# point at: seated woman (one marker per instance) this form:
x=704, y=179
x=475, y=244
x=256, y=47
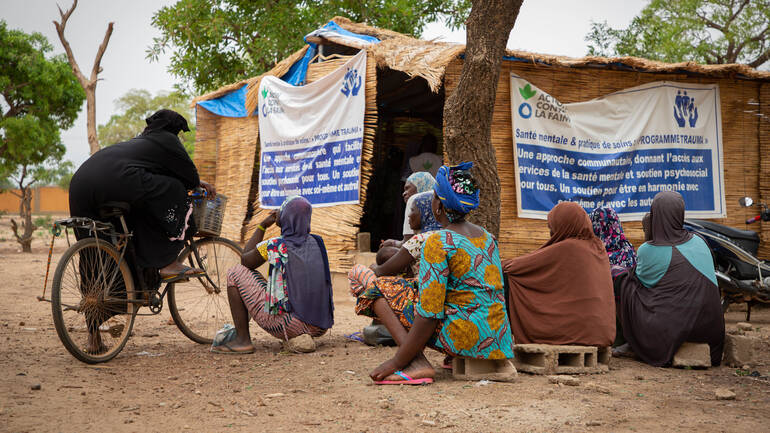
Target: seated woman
x=295, y=303
x=608, y=229
x=561, y=293
x=672, y=296
x=456, y=308
x=392, y=260
x=418, y=182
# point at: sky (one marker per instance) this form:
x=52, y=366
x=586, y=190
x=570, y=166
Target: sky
x=543, y=26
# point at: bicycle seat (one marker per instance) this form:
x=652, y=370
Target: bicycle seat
x=112, y=209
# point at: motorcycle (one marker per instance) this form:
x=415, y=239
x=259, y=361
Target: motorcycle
x=741, y=276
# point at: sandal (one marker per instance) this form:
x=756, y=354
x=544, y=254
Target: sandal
x=182, y=275
x=407, y=380
x=226, y=349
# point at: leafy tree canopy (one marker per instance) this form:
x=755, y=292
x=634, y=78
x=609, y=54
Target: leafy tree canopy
x=40, y=96
x=214, y=43
x=705, y=31
x=137, y=105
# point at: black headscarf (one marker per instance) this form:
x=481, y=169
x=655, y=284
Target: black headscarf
x=167, y=120
x=667, y=219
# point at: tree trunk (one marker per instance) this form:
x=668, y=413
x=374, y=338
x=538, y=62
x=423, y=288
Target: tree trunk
x=88, y=84
x=93, y=140
x=468, y=110
x=25, y=213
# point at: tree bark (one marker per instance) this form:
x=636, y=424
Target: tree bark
x=25, y=213
x=468, y=110
x=88, y=84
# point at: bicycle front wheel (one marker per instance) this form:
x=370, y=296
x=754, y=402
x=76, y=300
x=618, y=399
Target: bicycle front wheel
x=91, y=301
x=199, y=306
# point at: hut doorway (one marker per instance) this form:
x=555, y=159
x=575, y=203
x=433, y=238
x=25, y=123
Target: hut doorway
x=409, y=116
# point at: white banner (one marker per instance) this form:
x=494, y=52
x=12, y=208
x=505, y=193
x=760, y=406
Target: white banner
x=619, y=150
x=311, y=137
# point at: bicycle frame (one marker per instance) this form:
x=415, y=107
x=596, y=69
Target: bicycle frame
x=121, y=241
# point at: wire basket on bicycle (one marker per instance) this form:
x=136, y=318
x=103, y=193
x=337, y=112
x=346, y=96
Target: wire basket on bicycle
x=208, y=213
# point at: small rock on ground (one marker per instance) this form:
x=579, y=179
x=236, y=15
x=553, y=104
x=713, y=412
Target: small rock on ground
x=36, y=387
x=744, y=326
x=564, y=380
x=724, y=394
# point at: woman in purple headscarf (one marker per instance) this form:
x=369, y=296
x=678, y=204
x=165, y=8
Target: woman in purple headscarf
x=294, y=304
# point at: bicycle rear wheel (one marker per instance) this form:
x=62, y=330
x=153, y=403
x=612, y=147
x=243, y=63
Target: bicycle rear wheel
x=91, y=299
x=199, y=306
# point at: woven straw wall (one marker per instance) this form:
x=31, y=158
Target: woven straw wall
x=762, y=112
x=337, y=224
x=205, y=157
x=740, y=131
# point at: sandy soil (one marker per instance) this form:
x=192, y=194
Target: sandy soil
x=181, y=386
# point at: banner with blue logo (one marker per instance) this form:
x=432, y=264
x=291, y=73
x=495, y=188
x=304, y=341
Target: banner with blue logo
x=619, y=150
x=311, y=137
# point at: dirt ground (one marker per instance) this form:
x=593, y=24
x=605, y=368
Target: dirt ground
x=163, y=382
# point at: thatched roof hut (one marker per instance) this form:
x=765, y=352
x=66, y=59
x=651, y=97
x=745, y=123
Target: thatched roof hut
x=407, y=82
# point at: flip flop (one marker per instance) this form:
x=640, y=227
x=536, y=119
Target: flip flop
x=182, y=275
x=407, y=380
x=230, y=350
x=356, y=336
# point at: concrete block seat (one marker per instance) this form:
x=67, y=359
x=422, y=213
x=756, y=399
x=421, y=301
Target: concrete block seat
x=550, y=359
x=499, y=370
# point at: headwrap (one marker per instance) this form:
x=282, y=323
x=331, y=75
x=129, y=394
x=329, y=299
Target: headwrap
x=167, y=120
x=422, y=180
x=456, y=188
x=422, y=203
x=647, y=226
x=667, y=219
x=298, y=261
x=607, y=227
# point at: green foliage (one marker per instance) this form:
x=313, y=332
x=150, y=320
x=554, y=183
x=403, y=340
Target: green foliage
x=43, y=221
x=138, y=104
x=213, y=43
x=705, y=31
x=40, y=96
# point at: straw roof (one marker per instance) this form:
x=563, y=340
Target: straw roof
x=429, y=59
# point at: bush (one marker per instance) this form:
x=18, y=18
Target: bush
x=42, y=221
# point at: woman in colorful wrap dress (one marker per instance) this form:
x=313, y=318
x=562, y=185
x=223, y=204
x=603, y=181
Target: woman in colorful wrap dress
x=671, y=296
x=608, y=229
x=457, y=304
x=294, y=304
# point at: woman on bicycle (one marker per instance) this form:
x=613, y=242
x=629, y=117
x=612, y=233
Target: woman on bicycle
x=294, y=304
x=151, y=173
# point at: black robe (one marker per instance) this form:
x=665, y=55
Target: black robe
x=152, y=173
x=680, y=301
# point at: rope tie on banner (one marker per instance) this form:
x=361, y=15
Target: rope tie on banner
x=55, y=232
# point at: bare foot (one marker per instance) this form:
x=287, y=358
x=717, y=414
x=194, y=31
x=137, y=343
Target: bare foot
x=419, y=368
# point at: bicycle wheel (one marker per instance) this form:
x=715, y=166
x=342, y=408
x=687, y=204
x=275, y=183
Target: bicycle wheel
x=199, y=306
x=90, y=301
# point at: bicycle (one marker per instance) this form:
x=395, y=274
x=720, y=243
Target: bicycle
x=94, y=293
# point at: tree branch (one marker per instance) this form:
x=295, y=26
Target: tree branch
x=710, y=23
x=738, y=12
x=102, y=48
x=67, y=48
x=761, y=59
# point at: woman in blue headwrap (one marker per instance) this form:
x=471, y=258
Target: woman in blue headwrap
x=417, y=183
x=457, y=304
x=294, y=303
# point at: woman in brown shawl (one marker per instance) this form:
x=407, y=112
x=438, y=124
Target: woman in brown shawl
x=671, y=296
x=562, y=292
